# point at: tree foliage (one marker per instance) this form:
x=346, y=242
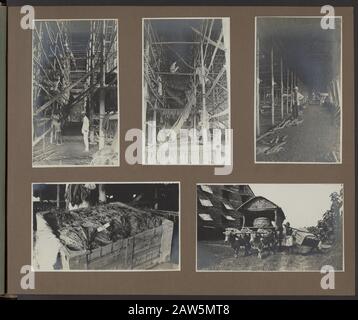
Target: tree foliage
x=328, y=229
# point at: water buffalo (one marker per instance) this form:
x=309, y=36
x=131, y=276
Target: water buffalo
x=238, y=241
x=263, y=240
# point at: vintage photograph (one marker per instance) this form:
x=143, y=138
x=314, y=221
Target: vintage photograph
x=105, y=226
x=186, y=91
x=269, y=227
x=298, y=96
x=75, y=96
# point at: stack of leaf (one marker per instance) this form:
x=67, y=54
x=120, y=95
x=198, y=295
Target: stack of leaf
x=272, y=141
x=93, y=227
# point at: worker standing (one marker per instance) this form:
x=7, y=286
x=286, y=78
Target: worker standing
x=296, y=102
x=85, y=130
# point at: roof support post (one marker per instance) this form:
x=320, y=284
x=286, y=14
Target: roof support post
x=102, y=94
x=272, y=89
x=203, y=89
x=287, y=88
x=291, y=100
x=281, y=89
x=258, y=87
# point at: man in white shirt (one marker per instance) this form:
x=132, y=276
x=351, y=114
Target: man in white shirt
x=85, y=131
x=297, y=97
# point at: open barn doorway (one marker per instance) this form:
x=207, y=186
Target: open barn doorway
x=298, y=111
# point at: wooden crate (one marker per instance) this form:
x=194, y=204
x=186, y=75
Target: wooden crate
x=141, y=251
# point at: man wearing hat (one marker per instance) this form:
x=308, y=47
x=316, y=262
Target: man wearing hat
x=85, y=130
x=296, y=102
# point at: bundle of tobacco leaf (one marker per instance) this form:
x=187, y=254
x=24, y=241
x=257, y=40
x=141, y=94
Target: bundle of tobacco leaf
x=93, y=227
x=271, y=144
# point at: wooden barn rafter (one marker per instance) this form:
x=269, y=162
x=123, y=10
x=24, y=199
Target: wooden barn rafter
x=290, y=54
x=75, y=69
x=196, y=95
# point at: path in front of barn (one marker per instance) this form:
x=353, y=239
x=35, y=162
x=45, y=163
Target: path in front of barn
x=311, y=141
x=216, y=255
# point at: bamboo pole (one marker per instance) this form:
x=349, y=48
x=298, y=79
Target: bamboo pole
x=174, y=42
x=291, y=100
x=155, y=116
x=339, y=94
x=281, y=89
x=102, y=96
x=58, y=196
x=209, y=36
x=145, y=88
x=203, y=86
x=258, y=130
x=287, y=87
x=272, y=90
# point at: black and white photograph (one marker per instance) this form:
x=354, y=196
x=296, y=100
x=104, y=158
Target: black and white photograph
x=105, y=226
x=269, y=227
x=75, y=96
x=186, y=91
x=298, y=94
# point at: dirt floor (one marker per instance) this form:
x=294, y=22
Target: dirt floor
x=216, y=255
x=311, y=141
x=71, y=152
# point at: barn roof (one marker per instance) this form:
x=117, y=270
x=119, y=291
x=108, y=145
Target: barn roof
x=259, y=204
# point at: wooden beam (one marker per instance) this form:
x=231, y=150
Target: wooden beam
x=102, y=94
x=209, y=36
x=175, y=42
x=59, y=95
x=338, y=90
x=257, y=79
x=291, y=100
x=217, y=44
x=203, y=89
x=281, y=89
x=287, y=87
x=175, y=73
x=216, y=80
x=272, y=90
x=215, y=50
x=222, y=113
x=37, y=140
x=221, y=86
